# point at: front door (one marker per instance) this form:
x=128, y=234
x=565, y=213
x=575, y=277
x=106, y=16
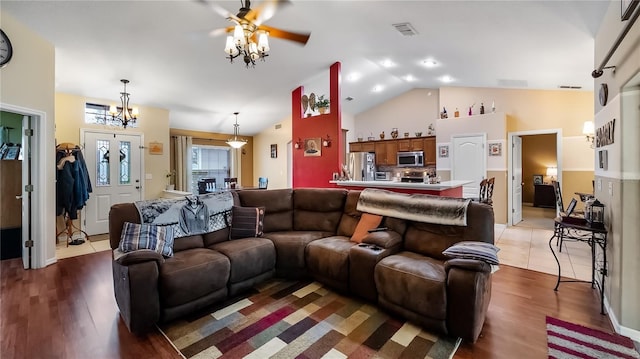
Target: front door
x=114, y=162
x=469, y=162
x=517, y=180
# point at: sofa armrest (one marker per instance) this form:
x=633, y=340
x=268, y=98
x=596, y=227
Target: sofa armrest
x=139, y=256
x=383, y=239
x=468, y=296
x=468, y=264
x=137, y=295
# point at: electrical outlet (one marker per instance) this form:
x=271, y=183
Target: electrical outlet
x=599, y=184
x=148, y=176
x=610, y=188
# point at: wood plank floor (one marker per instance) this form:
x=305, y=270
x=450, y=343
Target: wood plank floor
x=68, y=310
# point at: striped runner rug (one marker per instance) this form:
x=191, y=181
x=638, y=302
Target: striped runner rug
x=285, y=319
x=568, y=340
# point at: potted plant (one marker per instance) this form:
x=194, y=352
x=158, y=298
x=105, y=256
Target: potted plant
x=322, y=104
x=170, y=176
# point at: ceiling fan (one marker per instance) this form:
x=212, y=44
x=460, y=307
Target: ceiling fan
x=248, y=36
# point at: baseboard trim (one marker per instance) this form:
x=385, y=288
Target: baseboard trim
x=620, y=329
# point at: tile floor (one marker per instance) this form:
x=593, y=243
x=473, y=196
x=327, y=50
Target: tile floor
x=525, y=246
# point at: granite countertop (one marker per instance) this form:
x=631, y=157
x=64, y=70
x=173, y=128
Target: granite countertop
x=392, y=184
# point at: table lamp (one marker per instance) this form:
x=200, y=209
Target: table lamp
x=552, y=172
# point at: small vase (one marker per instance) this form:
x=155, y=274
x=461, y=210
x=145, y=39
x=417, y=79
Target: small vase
x=382, y=135
x=322, y=110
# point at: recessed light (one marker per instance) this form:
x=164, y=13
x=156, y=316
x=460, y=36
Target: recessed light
x=429, y=63
x=377, y=88
x=387, y=63
x=352, y=77
x=446, y=79
x=409, y=78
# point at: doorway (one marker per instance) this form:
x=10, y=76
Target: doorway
x=534, y=157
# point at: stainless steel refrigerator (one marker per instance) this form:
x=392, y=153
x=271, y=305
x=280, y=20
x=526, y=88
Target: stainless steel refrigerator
x=362, y=166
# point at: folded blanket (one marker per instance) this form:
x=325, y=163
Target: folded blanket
x=414, y=207
x=189, y=215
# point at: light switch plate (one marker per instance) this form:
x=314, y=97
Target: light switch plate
x=610, y=189
x=148, y=176
x=599, y=184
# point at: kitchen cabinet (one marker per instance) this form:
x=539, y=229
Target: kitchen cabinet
x=386, y=152
x=411, y=144
x=430, y=151
x=362, y=146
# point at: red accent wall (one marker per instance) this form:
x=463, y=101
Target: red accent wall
x=317, y=171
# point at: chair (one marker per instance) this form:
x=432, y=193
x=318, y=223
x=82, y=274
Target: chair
x=206, y=185
x=230, y=182
x=263, y=182
x=482, y=193
x=558, y=193
x=488, y=191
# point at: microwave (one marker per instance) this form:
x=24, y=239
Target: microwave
x=411, y=159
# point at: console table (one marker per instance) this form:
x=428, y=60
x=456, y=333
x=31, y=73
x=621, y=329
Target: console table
x=544, y=196
x=579, y=231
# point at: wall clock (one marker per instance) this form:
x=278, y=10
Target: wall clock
x=604, y=94
x=6, y=50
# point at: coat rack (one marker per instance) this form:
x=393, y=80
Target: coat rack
x=70, y=228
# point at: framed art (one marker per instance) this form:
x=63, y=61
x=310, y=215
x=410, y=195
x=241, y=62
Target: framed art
x=495, y=149
x=626, y=8
x=443, y=151
x=537, y=179
x=274, y=151
x=11, y=153
x=602, y=159
x=312, y=147
x=156, y=148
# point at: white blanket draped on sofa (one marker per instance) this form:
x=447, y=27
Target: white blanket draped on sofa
x=414, y=207
x=189, y=215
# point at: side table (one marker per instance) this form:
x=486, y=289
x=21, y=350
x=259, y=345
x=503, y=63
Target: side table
x=579, y=231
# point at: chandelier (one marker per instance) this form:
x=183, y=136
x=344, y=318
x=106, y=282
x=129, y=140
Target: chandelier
x=242, y=43
x=124, y=114
x=236, y=142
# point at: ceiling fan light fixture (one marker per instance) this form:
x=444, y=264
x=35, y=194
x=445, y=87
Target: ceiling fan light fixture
x=253, y=51
x=238, y=35
x=263, y=41
x=230, y=48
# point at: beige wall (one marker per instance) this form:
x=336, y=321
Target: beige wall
x=153, y=124
x=618, y=187
x=27, y=83
x=538, y=153
x=275, y=169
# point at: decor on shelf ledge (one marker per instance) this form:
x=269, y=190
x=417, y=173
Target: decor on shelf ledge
x=394, y=132
x=236, y=142
x=124, y=113
x=322, y=104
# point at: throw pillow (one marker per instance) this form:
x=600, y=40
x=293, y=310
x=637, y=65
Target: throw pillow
x=486, y=252
x=367, y=221
x=246, y=222
x=147, y=236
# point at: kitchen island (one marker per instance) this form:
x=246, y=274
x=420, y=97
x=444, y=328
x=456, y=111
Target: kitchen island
x=444, y=189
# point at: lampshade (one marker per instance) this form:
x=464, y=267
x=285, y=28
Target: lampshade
x=588, y=128
x=552, y=171
x=263, y=42
x=236, y=142
x=238, y=35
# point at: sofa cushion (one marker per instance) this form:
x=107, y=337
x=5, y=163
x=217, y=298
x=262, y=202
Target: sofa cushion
x=414, y=282
x=485, y=252
x=246, y=222
x=278, y=207
x=318, y=209
x=290, y=246
x=189, y=242
x=249, y=257
x=147, y=236
x=191, y=274
x=367, y=221
x=329, y=258
x=350, y=215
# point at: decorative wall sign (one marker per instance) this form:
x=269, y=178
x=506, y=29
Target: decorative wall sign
x=156, y=148
x=604, y=134
x=495, y=149
x=443, y=151
x=274, y=151
x=312, y=147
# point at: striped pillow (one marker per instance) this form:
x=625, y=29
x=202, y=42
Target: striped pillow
x=147, y=236
x=483, y=251
x=246, y=222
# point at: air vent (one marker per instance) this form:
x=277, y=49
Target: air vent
x=278, y=126
x=570, y=87
x=406, y=29
x=349, y=98
x=512, y=83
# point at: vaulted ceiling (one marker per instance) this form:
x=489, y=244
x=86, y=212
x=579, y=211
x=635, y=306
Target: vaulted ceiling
x=164, y=48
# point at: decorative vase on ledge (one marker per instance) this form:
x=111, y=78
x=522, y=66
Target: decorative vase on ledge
x=322, y=110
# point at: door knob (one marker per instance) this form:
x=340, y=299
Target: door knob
x=137, y=187
x=19, y=196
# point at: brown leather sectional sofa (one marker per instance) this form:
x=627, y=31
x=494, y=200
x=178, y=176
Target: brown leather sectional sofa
x=307, y=233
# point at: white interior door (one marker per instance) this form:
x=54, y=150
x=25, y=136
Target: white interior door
x=469, y=162
x=516, y=159
x=114, y=162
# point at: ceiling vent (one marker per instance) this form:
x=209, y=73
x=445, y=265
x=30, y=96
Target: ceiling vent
x=349, y=98
x=406, y=29
x=570, y=87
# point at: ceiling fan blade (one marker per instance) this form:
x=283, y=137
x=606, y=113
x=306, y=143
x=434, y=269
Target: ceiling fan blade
x=221, y=31
x=220, y=10
x=265, y=11
x=287, y=35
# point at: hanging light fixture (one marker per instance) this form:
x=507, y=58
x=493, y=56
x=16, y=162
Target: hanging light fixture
x=242, y=44
x=236, y=142
x=124, y=114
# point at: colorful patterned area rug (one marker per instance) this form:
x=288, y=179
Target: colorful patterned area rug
x=302, y=320
x=568, y=340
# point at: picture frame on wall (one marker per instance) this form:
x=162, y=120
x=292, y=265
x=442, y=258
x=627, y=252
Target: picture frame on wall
x=312, y=147
x=156, y=148
x=495, y=149
x=626, y=8
x=11, y=153
x=537, y=179
x=602, y=159
x=274, y=151
x=443, y=151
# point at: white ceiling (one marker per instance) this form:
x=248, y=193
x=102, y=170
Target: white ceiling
x=164, y=49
